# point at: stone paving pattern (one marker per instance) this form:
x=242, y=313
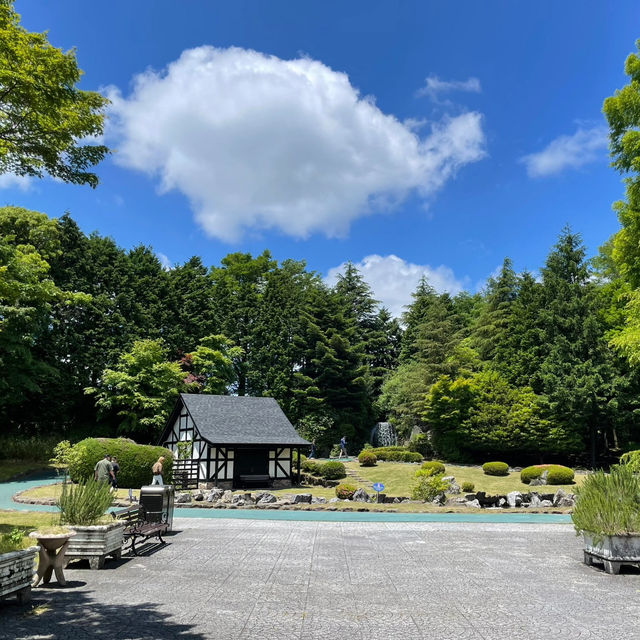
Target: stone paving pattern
x=266, y=580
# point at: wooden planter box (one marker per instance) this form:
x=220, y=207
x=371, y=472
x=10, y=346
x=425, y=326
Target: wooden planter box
x=611, y=551
x=94, y=543
x=16, y=573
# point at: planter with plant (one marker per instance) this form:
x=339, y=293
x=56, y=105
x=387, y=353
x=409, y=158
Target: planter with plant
x=607, y=514
x=17, y=565
x=83, y=509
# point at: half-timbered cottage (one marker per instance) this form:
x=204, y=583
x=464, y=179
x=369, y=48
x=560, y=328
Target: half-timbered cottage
x=235, y=441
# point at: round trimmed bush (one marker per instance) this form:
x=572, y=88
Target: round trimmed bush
x=367, y=459
x=311, y=466
x=557, y=473
x=433, y=467
x=345, y=491
x=332, y=470
x=135, y=460
x=496, y=468
x=468, y=487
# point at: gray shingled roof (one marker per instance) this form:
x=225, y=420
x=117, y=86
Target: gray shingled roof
x=241, y=420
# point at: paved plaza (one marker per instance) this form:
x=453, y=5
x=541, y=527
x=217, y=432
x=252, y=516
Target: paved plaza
x=262, y=579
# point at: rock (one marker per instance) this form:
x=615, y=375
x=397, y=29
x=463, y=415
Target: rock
x=396, y=501
x=301, y=498
x=514, y=499
x=454, y=488
x=239, y=503
x=440, y=499
x=215, y=494
x=334, y=500
x=227, y=496
x=267, y=498
x=559, y=495
x=318, y=500
x=470, y=496
x=455, y=502
x=568, y=501
x=502, y=502
x=360, y=495
x=405, y=500
x=197, y=495
x=248, y=499
x=545, y=503
x=535, y=500
x=237, y=498
x=448, y=479
x=537, y=482
x=473, y=503
x=182, y=498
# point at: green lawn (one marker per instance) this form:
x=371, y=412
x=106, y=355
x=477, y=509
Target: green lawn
x=11, y=468
x=54, y=491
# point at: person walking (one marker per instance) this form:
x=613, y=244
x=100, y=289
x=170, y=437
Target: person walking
x=157, y=472
x=116, y=468
x=313, y=449
x=343, y=447
x=103, y=471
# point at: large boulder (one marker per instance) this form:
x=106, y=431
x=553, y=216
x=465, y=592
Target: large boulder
x=182, y=498
x=301, y=498
x=473, y=503
x=318, y=500
x=197, y=495
x=514, y=499
x=360, y=495
x=564, y=499
x=215, y=494
x=227, y=496
x=267, y=498
x=440, y=499
x=237, y=498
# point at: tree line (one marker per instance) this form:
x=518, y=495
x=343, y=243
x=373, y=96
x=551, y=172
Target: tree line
x=99, y=340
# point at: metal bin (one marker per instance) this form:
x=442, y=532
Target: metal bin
x=157, y=501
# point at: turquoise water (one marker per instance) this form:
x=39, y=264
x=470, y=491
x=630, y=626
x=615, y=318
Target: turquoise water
x=8, y=489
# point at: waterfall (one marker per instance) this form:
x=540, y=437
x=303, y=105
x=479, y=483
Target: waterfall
x=384, y=435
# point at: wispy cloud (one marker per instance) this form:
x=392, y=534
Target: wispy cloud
x=434, y=87
x=164, y=261
x=567, y=152
x=12, y=181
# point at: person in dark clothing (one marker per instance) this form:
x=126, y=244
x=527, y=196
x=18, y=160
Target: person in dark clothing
x=313, y=449
x=116, y=468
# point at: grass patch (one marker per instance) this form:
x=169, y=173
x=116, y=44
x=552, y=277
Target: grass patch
x=27, y=521
x=53, y=491
x=11, y=468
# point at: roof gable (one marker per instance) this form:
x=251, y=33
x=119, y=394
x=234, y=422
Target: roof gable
x=240, y=420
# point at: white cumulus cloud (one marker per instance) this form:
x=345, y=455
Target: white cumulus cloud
x=257, y=142
x=568, y=152
x=393, y=279
x=11, y=180
x=434, y=86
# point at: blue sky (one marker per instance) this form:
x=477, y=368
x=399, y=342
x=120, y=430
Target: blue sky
x=311, y=129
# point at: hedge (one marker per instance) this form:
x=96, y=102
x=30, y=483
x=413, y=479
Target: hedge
x=332, y=470
x=367, y=458
x=135, y=460
x=345, y=491
x=557, y=473
x=396, y=454
x=496, y=468
x=433, y=467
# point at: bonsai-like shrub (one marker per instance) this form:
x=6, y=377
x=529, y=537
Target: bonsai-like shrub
x=468, y=487
x=135, y=460
x=632, y=460
x=608, y=504
x=332, y=470
x=345, y=491
x=557, y=473
x=496, y=468
x=367, y=458
x=421, y=443
x=85, y=503
x=428, y=487
x=433, y=468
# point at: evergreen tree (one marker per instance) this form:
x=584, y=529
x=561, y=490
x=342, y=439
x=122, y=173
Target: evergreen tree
x=423, y=298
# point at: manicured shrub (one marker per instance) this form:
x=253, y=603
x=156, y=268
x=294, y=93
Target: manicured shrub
x=311, y=466
x=397, y=454
x=557, y=473
x=433, y=467
x=421, y=443
x=496, y=468
x=608, y=503
x=468, y=487
x=367, y=459
x=345, y=491
x=560, y=475
x=84, y=503
x=332, y=470
x=135, y=460
x=428, y=487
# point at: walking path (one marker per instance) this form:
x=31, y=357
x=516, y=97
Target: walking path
x=263, y=580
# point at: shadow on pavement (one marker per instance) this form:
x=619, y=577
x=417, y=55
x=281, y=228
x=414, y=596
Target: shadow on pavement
x=62, y=614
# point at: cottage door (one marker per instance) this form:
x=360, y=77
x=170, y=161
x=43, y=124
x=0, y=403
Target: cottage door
x=251, y=462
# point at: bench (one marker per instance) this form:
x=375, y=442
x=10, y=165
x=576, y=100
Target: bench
x=254, y=481
x=137, y=526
